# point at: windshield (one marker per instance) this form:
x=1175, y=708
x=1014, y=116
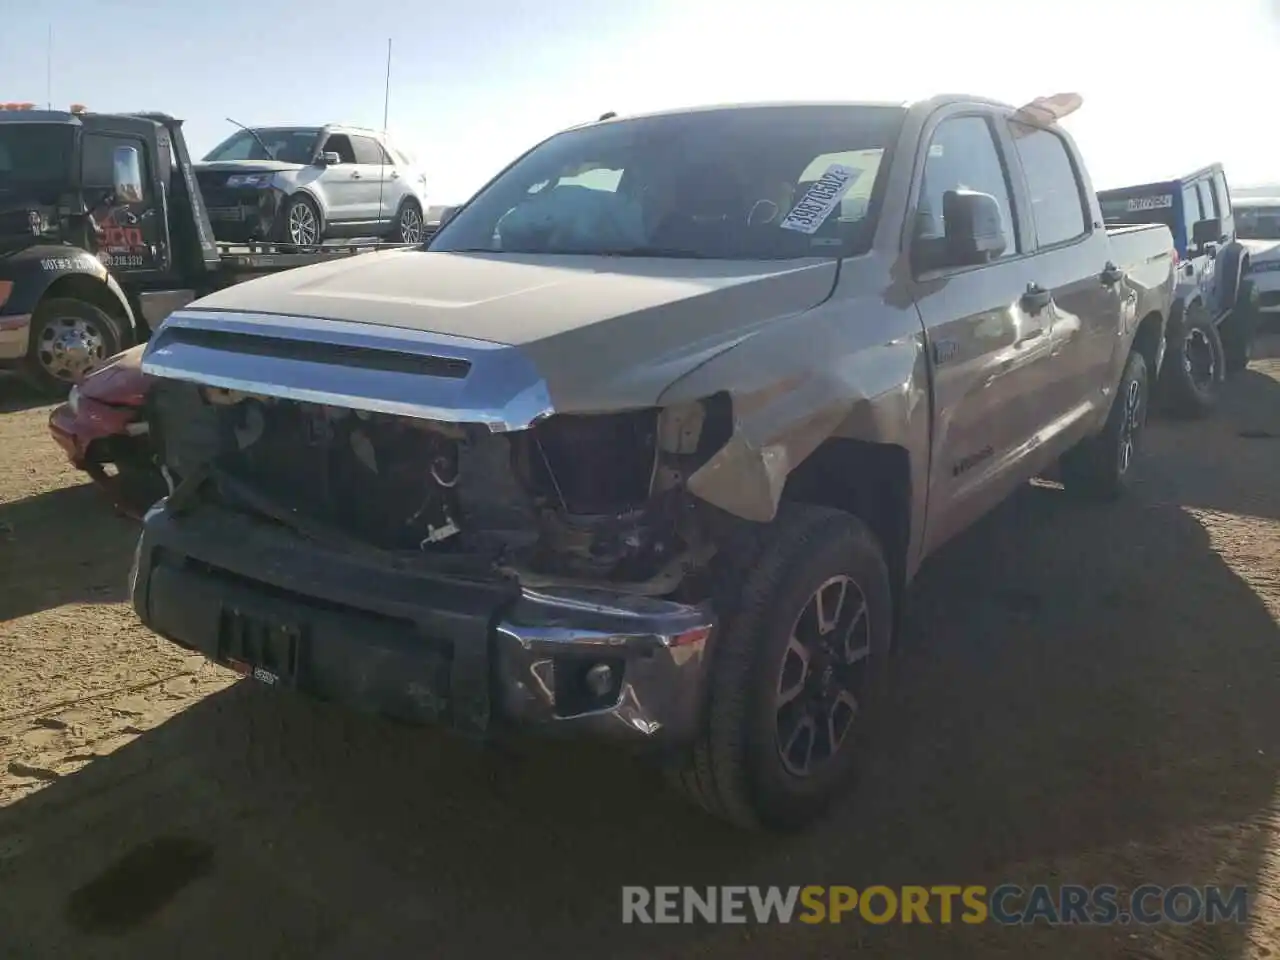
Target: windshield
x=1131, y=208
x=1258, y=223
x=287, y=144
x=769, y=182
x=35, y=153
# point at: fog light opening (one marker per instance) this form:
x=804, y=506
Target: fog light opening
x=586, y=685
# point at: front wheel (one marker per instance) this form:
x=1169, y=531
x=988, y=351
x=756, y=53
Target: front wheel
x=1101, y=467
x=1238, y=330
x=69, y=339
x=795, y=664
x=300, y=224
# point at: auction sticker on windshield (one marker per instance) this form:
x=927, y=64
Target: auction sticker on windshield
x=820, y=199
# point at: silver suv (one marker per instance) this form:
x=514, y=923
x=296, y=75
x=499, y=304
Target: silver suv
x=304, y=185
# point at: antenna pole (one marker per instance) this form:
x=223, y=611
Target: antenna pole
x=386, y=102
x=48, y=70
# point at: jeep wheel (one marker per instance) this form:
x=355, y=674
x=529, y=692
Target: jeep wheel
x=1194, y=366
x=795, y=665
x=1101, y=467
x=1238, y=330
x=69, y=339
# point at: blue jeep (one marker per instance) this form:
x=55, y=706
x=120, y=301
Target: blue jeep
x=1211, y=328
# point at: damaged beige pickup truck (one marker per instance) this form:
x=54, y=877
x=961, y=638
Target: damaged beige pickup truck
x=649, y=441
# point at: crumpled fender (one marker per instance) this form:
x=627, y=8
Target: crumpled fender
x=793, y=387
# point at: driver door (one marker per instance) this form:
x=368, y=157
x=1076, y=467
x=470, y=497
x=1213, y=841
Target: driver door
x=128, y=238
x=342, y=184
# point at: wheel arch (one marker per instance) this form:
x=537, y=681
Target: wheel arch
x=871, y=481
x=106, y=296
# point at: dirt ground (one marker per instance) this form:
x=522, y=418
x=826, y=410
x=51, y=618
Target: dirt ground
x=1083, y=695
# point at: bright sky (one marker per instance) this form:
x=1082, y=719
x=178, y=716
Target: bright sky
x=1168, y=85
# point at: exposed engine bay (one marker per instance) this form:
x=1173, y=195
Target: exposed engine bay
x=575, y=499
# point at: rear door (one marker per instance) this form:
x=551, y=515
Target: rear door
x=1073, y=263
x=988, y=339
x=375, y=178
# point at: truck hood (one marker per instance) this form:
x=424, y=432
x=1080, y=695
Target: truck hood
x=24, y=219
x=1262, y=249
x=525, y=335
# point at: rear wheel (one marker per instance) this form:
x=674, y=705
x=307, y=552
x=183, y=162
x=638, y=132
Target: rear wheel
x=803, y=636
x=69, y=339
x=408, y=225
x=1101, y=467
x=1194, y=366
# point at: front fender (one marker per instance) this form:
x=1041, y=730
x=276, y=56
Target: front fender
x=36, y=269
x=795, y=385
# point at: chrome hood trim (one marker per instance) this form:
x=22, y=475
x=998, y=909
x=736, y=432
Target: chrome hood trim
x=410, y=373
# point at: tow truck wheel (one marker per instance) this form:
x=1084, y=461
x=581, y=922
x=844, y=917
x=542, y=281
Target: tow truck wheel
x=1195, y=364
x=69, y=339
x=795, y=665
x=300, y=224
x=408, y=228
x=1101, y=467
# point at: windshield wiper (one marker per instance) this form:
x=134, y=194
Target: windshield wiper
x=254, y=133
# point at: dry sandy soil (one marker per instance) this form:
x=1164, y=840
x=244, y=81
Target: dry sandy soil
x=1083, y=695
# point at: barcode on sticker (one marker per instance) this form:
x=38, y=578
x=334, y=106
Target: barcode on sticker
x=820, y=199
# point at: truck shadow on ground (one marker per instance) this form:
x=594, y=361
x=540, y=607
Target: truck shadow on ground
x=1082, y=694
x=16, y=394
x=64, y=546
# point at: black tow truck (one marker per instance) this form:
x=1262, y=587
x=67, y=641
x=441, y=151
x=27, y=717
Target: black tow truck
x=103, y=233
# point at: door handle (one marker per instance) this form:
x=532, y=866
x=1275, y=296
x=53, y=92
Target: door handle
x=395, y=175
x=355, y=174
x=1111, y=275
x=1036, y=298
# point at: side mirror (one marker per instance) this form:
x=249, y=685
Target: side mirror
x=330, y=158
x=1207, y=231
x=973, y=233
x=126, y=175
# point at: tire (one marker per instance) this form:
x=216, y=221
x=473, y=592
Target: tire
x=735, y=769
x=299, y=211
x=1194, y=364
x=402, y=231
x=1101, y=467
x=69, y=338
x=1238, y=330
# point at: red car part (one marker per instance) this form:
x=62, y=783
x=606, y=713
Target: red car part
x=101, y=429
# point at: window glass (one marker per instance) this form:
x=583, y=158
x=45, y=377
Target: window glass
x=368, y=150
x=98, y=160
x=1057, y=199
x=962, y=156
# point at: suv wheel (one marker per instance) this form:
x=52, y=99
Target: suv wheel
x=795, y=665
x=300, y=224
x=408, y=228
